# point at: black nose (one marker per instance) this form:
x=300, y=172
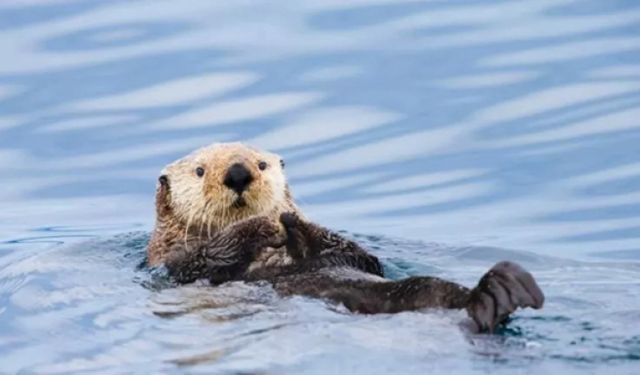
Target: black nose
x=238, y=178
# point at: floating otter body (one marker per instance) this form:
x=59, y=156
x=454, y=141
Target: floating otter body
x=225, y=213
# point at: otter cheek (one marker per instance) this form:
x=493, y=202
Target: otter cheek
x=277, y=191
x=227, y=198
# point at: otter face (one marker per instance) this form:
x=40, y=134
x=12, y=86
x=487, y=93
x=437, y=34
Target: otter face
x=223, y=183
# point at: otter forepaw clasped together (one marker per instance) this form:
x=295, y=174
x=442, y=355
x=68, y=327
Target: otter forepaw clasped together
x=225, y=213
x=225, y=256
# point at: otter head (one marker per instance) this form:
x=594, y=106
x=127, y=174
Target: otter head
x=223, y=183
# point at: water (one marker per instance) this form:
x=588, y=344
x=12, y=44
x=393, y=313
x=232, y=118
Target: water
x=443, y=135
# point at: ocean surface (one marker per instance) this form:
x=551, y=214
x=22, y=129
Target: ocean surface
x=442, y=135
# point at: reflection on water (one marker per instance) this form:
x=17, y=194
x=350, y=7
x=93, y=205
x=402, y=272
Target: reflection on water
x=482, y=126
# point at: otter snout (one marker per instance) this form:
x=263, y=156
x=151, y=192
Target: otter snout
x=238, y=178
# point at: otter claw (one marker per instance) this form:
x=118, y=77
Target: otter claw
x=502, y=290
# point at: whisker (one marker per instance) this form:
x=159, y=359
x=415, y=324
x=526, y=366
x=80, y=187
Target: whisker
x=209, y=219
x=186, y=232
x=201, y=224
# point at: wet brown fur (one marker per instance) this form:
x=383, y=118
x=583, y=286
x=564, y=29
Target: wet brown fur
x=201, y=234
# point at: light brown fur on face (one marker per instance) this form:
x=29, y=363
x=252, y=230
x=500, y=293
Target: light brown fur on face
x=192, y=206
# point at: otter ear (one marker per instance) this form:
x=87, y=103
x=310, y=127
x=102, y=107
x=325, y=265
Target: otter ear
x=163, y=205
x=164, y=180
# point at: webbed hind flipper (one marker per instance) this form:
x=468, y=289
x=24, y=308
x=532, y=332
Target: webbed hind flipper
x=504, y=288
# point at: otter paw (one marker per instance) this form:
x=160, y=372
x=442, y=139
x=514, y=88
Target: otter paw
x=262, y=232
x=502, y=290
x=289, y=219
x=296, y=242
x=175, y=258
x=184, y=265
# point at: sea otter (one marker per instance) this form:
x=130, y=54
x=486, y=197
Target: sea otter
x=224, y=213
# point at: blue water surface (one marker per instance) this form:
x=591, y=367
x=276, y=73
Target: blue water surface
x=442, y=135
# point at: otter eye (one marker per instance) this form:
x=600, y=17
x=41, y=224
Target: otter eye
x=262, y=165
x=282, y=163
x=200, y=171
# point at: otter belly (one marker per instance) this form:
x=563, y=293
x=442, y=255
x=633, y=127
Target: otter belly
x=271, y=257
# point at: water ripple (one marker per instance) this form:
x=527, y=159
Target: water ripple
x=446, y=132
